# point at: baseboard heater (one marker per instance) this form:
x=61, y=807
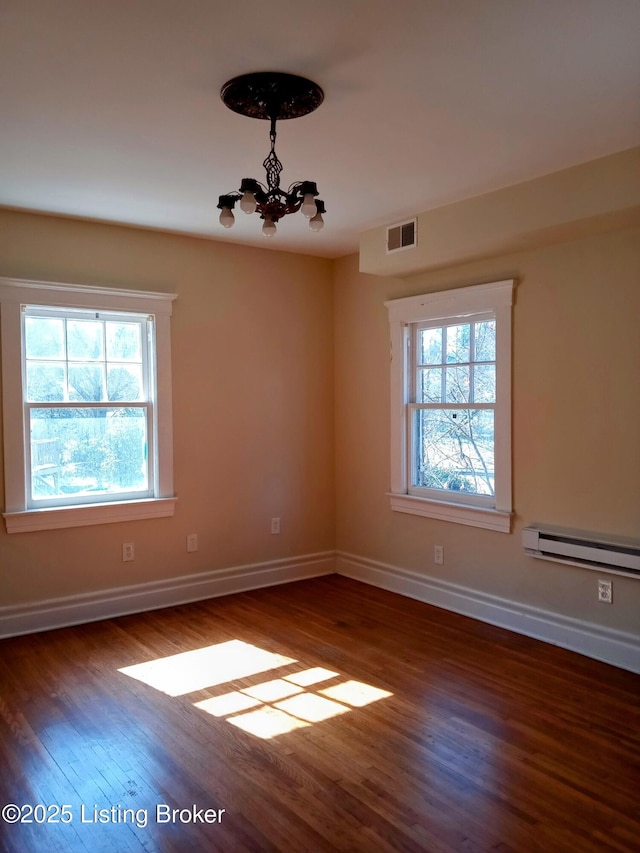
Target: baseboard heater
x=590, y=550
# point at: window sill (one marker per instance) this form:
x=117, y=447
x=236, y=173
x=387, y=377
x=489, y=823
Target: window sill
x=53, y=518
x=474, y=516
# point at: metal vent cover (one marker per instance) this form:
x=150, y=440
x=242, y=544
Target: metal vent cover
x=402, y=236
x=591, y=550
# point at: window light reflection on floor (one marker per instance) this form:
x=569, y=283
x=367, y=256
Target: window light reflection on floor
x=270, y=691
x=267, y=722
x=294, y=700
x=190, y=671
x=354, y=693
x=269, y=713
x=228, y=703
x=311, y=676
x=312, y=708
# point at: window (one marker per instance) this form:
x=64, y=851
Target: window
x=451, y=405
x=86, y=405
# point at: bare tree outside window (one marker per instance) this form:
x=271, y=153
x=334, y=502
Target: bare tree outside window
x=452, y=424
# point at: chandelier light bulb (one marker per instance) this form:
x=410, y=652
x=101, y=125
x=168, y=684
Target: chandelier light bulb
x=308, y=206
x=248, y=202
x=269, y=228
x=226, y=217
x=316, y=223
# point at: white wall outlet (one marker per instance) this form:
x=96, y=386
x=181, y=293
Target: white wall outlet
x=438, y=555
x=128, y=552
x=275, y=525
x=605, y=592
x=192, y=542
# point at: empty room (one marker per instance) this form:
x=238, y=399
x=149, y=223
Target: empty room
x=320, y=459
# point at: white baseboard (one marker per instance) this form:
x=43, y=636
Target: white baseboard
x=604, y=644
x=109, y=603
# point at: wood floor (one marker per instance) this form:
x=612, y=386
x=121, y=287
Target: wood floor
x=322, y=715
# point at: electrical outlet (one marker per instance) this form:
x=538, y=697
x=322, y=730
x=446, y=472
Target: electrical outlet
x=192, y=542
x=275, y=525
x=605, y=592
x=128, y=552
x=438, y=555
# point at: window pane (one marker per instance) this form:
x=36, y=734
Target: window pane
x=124, y=382
x=430, y=346
x=485, y=341
x=457, y=384
x=45, y=381
x=458, y=343
x=84, y=340
x=484, y=383
x=88, y=452
x=454, y=450
x=86, y=382
x=123, y=341
x=429, y=385
x=44, y=337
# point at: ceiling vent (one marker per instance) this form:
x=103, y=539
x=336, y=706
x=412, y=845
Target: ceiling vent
x=402, y=236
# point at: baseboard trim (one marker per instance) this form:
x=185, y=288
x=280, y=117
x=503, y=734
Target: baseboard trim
x=594, y=641
x=604, y=644
x=120, y=601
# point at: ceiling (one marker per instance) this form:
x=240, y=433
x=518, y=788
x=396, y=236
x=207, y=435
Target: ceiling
x=110, y=109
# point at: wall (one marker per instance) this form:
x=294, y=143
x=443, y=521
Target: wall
x=252, y=342
x=592, y=197
x=576, y=409
x=260, y=343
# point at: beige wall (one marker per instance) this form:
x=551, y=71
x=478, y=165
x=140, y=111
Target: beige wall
x=261, y=342
x=600, y=195
x=252, y=339
x=576, y=446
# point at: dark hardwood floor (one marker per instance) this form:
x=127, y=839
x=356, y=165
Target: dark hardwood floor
x=321, y=715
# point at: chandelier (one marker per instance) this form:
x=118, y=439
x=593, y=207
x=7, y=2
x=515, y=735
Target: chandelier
x=272, y=96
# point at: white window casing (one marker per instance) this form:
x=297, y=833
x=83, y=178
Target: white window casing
x=19, y=514
x=445, y=308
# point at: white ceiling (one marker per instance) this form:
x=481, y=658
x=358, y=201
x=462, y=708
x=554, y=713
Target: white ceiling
x=110, y=109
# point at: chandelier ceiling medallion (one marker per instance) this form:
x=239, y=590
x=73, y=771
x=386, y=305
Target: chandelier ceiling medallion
x=272, y=96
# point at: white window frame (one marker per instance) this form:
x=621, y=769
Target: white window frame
x=444, y=308
x=15, y=293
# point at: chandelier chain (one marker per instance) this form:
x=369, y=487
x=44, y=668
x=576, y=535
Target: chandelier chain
x=272, y=164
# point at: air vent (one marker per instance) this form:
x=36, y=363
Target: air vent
x=402, y=236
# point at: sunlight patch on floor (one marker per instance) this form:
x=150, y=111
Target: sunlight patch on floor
x=270, y=691
x=265, y=709
x=228, y=703
x=276, y=707
x=311, y=676
x=267, y=722
x=190, y=671
x=355, y=693
x=312, y=708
